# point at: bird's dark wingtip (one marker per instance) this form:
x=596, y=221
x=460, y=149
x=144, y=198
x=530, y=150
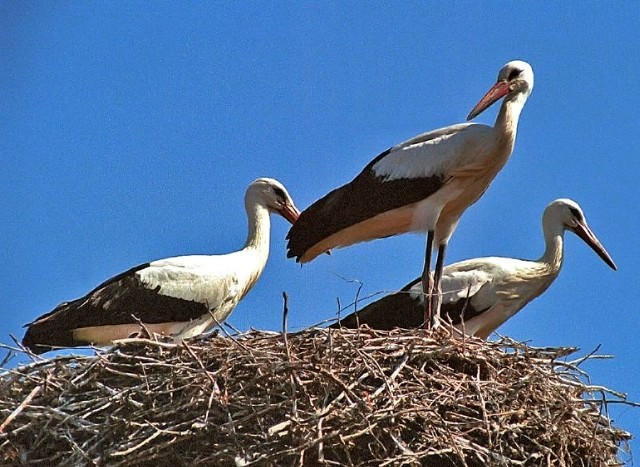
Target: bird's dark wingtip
x=29, y=343
x=43, y=335
x=39, y=349
x=292, y=253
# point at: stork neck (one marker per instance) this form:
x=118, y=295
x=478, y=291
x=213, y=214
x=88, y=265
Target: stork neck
x=554, y=247
x=259, y=228
x=507, y=120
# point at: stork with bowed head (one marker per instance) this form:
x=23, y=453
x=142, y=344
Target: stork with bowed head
x=421, y=185
x=480, y=294
x=179, y=297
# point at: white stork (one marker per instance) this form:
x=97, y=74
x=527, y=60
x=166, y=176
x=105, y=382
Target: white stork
x=423, y=184
x=179, y=297
x=481, y=294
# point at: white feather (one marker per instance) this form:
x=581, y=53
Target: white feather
x=485, y=281
x=202, y=279
x=436, y=152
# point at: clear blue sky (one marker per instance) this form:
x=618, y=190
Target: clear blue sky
x=129, y=132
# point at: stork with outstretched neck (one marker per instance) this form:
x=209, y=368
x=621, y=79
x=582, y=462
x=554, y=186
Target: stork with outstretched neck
x=177, y=297
x=480, y=294
x=421, y=185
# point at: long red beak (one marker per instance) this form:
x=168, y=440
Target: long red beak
x=584, y=232
x=290, y=213
x=499, y=90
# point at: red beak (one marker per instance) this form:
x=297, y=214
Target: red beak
x=584, y=232
x=499, y=90
x=290, y=213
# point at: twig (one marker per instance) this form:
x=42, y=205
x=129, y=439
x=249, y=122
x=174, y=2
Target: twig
x=285, y=315
x=137, y=446
x=20, y=408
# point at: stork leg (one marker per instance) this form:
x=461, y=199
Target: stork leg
x=427, y=280
x=437, y=288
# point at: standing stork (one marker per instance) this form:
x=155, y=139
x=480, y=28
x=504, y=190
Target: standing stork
x=179, y=297
x=481, y=294
x=423, y=184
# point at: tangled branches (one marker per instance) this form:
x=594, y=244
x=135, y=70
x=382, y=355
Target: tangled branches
x=333, y=397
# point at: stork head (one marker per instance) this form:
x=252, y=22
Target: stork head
x=568, y=214
x=274, y=196
x=515, y=78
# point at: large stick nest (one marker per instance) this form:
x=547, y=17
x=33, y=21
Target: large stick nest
x=333, y=397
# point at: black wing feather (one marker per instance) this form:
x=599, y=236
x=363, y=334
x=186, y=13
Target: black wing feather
x=363, y=198
x=401, y=310
x=115, y=301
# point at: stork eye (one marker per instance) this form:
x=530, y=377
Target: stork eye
x=279, y=192
x=575, y=213
x=514, y=74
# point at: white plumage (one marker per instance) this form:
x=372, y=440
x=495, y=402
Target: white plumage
x=435, y=152
x=179, y=297
x=480, y=294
